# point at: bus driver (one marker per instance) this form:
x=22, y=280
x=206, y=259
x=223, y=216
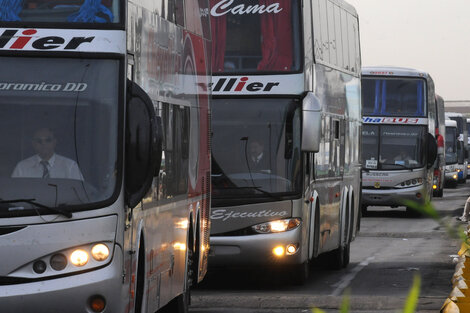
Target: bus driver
x=46, y=163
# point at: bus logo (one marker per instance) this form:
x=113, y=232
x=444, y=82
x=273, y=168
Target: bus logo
x=377, y=185
x=242, y=84
x=39, y=43
x=223, y=7
x=394, y=120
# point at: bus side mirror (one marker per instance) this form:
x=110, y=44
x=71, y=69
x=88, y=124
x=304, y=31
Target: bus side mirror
x=311, y=123
x=431, y=145
x=143, y=152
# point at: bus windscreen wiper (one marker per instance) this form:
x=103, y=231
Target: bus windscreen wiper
x=258, y=188
x=397, y=164
x=39, y=205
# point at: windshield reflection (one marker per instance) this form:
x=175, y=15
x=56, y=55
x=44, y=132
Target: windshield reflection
x=390, y=147
x=256, y=147
x=58, y=131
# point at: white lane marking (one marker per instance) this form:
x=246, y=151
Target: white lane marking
x=347, y=279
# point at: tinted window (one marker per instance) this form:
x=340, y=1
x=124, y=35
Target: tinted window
x=394, y=97
x=252, y=36
x=64, y=115
x=70, y=11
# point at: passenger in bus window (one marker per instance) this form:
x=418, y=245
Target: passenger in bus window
x=46, y=163
x=403, y=157
x=257, y=159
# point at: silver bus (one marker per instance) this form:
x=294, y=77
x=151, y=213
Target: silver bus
x=438, y=181
x=452, y=154
x=286, y=133
x=462, y=135
x=105, y=163
x=398, y=144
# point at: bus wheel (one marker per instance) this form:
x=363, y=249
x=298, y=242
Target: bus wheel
x=339, y=258
x=440, y=193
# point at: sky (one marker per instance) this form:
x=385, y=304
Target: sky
x=430, y=35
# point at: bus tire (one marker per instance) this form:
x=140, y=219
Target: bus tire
x=140, y=284
x=339, y=258
x=440, y=193
x=299, y=273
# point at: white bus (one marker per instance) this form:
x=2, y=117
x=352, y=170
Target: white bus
x=462, y=134
x=106, y=92
x=286, y=133
x=452, y=154
x=399, y=148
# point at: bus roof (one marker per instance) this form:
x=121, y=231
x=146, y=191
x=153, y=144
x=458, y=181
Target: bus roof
x=453, y=114
x=393, y=71
x=451, y=123
x=348, y=7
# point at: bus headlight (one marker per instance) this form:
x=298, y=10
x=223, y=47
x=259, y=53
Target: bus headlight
x=100, y=252
x=410, y=183
x=79, y=257
x=277, y=226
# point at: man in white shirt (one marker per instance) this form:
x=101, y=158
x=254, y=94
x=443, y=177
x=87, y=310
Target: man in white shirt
x=46, y=163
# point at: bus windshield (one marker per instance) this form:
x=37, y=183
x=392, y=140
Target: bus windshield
x=255, y=36
x=68, y=11
x=263, y=158
x=392, y=147
x=58, y=131
x=451, y=146
x=394, y=97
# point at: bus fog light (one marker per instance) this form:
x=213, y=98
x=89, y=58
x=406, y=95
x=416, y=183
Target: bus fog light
x=100, y=252
x=39, y=267
x=97, y=304
x=291, y=249
x=58, y=262
x=278, y=251
x=418, y=195
x=79, y=257
x=454, y=176
x=434, y=187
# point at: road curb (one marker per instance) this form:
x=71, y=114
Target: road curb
x=459, y=298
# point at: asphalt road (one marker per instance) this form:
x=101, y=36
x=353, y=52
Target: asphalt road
x=389, y=251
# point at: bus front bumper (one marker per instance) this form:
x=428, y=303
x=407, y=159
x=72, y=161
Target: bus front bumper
x=392, y=197
x=68, y=294
x=255, y=250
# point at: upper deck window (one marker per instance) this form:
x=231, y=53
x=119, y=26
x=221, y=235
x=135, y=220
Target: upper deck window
x=399, y=97
x=255, y=36
x=60, y=11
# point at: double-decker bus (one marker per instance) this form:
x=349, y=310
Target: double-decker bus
x=105, y=163
x=462, y=135
x=399, y=148
x=452, y=153
x=286, y=133
x=438, y=183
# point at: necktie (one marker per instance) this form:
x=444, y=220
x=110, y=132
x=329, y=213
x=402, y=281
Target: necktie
x=45, y=169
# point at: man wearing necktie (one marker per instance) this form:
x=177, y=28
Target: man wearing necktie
x=46, y=163
x=257, y=159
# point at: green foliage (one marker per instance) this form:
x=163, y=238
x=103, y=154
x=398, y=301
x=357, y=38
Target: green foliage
x=345, y=304
x=413, y=296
